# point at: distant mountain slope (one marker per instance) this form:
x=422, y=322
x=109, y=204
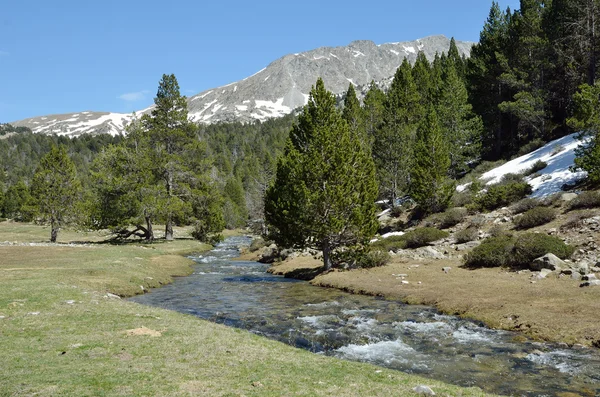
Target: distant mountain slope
x=274, y=91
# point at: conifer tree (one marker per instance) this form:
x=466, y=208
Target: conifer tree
x=587, y=120
x=352, y=111
x=373, y=106
x=430, y=186
x=324, y=190
x=177, y=154
x=421, y=74
x=461, y=128
x=55, y=190
x=392, y=146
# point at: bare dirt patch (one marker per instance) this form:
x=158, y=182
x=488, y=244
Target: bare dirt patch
x=143, y=331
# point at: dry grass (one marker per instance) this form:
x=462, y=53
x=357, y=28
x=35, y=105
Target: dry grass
x=551, y=309
x=62, y=335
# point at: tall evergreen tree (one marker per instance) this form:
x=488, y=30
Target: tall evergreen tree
x=486, y=88
x=430, y=185
x=352, y=112
x=392, y=146
x=55, y=190
x=177, y=154
x=587, y=120
x=373, y=107
x=461, y=128
x=324, y=191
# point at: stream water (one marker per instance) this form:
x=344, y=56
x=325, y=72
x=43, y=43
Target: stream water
x=409, y=338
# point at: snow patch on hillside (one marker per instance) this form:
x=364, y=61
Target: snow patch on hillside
x=558, y=154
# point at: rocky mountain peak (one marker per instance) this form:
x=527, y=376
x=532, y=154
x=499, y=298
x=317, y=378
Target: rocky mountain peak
x=273, y=91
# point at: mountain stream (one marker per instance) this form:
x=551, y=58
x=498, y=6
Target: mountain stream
x=408, y=338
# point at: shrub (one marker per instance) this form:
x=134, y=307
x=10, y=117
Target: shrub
x=360, y=257
x=535, y=217
x=396, y=211
x=389, y=244
x=492, y=252
x=422, y=236
x=530, y=147
x=502, y=194
x=553, y=200
x=517, y=251
x=462, y=199
x=525, y=205
x=497, y=231
x=537, y=166
x=529, y=246
x=466, y=235
x=588, y=199
x=374, y=258
x=576, y=219
x=452, y=217
x=477, y=221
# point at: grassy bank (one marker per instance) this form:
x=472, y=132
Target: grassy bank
x=551, y=309
x=62, y=334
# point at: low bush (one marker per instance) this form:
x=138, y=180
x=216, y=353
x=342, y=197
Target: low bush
x=422, y=236
x=452, y=217
x=576, y=219
x=516, y=251
x=503, y=194
x=389, y=244
x=360, y=257
x=477, y=221
x=553, y=200
x=466, y=235
x=497, y=231
x=525, y=205
x=587, y=199
x=462, y=199
x=536, y=167
x=492, y=252
x=530, y=147
x=535, y=217
x=529, y=246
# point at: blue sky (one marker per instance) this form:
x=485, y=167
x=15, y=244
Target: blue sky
x=68, y=56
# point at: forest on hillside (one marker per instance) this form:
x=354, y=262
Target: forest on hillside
x=530, y=79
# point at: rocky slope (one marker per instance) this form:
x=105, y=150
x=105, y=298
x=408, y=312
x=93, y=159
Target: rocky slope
x=274, y=91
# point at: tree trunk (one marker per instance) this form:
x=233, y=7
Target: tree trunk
x=149, y=231
x=326, y=255
x=169, y=230
x=54, y=233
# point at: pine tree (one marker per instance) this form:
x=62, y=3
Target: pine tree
x=176, y=152
x=460, y=127
x=421, y=74
x=430, y=186
x=488, y=62
x=55, y=190
x=373, y=107
x=324, y=190
x=392, y=146
x=587, y=120
x=352, y=111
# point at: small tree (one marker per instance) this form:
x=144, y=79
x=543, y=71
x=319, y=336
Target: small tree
x=324, y=190
x=430, y=186
x=587, y=120
x=55, y=190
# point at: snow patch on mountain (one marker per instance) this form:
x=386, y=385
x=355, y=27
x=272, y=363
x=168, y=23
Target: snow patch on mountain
x=559, y=155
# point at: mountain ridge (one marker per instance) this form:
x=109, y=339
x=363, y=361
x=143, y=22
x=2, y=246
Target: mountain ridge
x=273, y=91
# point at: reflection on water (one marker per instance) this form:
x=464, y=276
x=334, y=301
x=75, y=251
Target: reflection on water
x=414, y=339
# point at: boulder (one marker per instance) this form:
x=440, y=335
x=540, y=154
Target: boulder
x=566, y=197
x=424, y=390
x=548, y=261
x=590, y=283
x=446, y=269
x=589, y=277
x=581, y=267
